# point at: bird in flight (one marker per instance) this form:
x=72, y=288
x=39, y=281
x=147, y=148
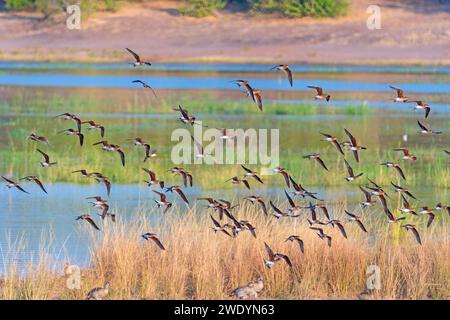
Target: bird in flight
x=406, y=154
x=425, y=130
x=354, y=147
x=275, y=257
x=351, y=175
x=36, y=180
x=88, y=218
x=70, y=116
x=396, y=166
x=333, y=140
x=286, y=70
x=93, y=125
x=320, y=94
x=400, y=95
x=152, y=236
x=72, y=132
x=46, y=162
x=420, y=105
x=298, y=240
x=145, y=85
x=12, y=184
x=316, y=156
x=34, y=137
x=414, y=231
x=138, y=61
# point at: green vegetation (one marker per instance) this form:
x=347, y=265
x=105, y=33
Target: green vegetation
x=302, y=8
x=202, y=8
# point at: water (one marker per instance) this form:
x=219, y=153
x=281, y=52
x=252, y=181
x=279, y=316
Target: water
x=52, y=217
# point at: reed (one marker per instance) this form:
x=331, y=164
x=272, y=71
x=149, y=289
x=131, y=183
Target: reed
x=199, y=264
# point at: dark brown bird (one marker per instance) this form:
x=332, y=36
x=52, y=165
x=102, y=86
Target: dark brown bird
x=368, y=202
x=163, y=202
x=247, y=86
x=87, y=218
x=258, y=200
x=34, y=137
x=334, y=142
x=351, y=175
x=12, y=184
x=145, y=85
x=112, y=147
x=46, y=162
x=396, y=166
x=400, y=95
x=250, y=173
x=275, y=257
x=316, y=156
x=426, y=130
x=429, y=212
x=286, y=70
x=218, y=227
x=154, y=238
x=236, y=180
x=341, y=228
x=180, y=192
x=320, y=95
x=278, y=213
x=138, y=61
x=299, y=190
x=322, y=235
x=72, y=132
x=299, y=242
x=186, y=118
x=101, y=178
x=406, y=155
x=93, y=125
x=402, y=190
x=354, y=147
x=284, y=173
x=422, y=106
x=353, y=217
x=70, y=116
x=36, y=180
x=153, y=180
x=414, y=231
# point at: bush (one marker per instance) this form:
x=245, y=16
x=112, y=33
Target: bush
x=19, y=4
x=202, y=8
x=302, y=8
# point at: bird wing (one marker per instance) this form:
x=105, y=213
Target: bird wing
x=289, y=75
x=351, y=137
x=151, y=174
x=108, y=186
x=91, y=222
x=360, y=224
x=400, y=171
x=46, y=157
x=318, y=89
x=285, y=258
x=39, y=183
x=216, y=223
x=349, y=168
x=319, y=160
x=122, y=157
x=158, y=243
x=245, y=182
x=275, y=208
x=262, y=205
x=291, y=202
x=342, y=229
x=269, y=251
x=180, y=192
x=258, y=101
x=366, y=194
x=135, y=55
x=422, y=126
x=416, y=235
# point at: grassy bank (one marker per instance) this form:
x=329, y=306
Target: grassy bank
x=210, y=265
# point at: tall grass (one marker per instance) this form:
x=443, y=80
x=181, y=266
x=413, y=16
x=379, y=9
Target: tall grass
x=199, y=264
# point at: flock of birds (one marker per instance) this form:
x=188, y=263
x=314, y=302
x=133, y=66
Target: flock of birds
x=223, y=208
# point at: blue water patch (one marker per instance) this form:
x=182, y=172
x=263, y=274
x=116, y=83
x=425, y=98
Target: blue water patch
x=207, y=83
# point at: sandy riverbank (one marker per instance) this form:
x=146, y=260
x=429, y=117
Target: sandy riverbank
x=414, y=32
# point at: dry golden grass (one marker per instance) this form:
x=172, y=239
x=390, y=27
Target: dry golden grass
x=199, y=264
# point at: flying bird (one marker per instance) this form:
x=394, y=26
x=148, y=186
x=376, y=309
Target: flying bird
x=354, y=147
x=70, y=116
x=425, y=130
x=423, y=106
x=351, y=175
x=153, y=180
x=320, y=95
x=402, y=190
x=250, y=173
x=286, y=70
x=353, y=217
x=46, y=162
x=396, y=166
x=298, y=240
x=138, y=61
x=12, y=184
x=400, y=95
x=72, y=132
x=284, y=173
x=34, y=137
x=154, y=238
x=275, y=257
x=36, y=180
x=88, y=218
x=316, y=156
x=414, y=231
x=162, y=202
x=95, y=126
x=180, y=192
x=145, y=85
x=406, y=154
x=333, y=140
